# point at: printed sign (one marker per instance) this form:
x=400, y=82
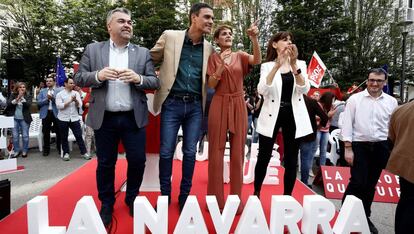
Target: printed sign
x=316, y=70
x=336, y=179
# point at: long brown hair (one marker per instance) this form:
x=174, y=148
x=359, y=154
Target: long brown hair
x=326, y=100
x=271, y=53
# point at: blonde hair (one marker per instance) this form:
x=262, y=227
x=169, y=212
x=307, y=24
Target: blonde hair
x=17, y=86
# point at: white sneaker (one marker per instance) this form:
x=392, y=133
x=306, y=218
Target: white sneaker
x=311, y=173
x=86, y=156
x=66, y=157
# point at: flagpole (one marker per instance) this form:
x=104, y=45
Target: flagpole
x=330, y=75
x=358, y=86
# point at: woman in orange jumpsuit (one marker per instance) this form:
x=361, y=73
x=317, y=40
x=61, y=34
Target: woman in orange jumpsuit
x=227, y=114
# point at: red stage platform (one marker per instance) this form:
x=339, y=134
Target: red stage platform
x=65, y=194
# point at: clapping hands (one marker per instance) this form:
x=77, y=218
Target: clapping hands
x=126, y=75
x=289, y=55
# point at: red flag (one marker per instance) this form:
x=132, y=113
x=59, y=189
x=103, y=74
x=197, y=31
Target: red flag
x=316, y=70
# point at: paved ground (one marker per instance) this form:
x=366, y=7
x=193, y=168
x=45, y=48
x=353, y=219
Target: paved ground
x=43, y=172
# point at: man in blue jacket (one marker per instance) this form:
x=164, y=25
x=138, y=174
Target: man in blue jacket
x=48, y=113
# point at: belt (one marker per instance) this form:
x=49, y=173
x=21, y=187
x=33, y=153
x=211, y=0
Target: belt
x=186, y=97
x=117, y=113
x=370, y=142
x=285, y=104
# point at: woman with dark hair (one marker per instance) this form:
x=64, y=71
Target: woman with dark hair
x=322, y=137
x=18, y=105
x=283, y=81
x=228, y=115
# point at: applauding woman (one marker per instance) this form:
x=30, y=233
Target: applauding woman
x=283, y=81
x=227, y=114
x=18, y=105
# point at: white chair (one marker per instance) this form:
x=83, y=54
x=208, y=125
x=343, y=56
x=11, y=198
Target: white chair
x=333, y=155
x=5, y=123
x=35, y=130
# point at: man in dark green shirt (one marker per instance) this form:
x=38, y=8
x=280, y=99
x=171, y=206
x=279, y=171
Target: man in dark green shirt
x=183, y=56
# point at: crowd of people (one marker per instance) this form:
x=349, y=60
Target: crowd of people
x=116, y=74
x=59, y=108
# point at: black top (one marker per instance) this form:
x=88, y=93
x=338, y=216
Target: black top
x=11, y=108
x=249, y=100
x=287, y=87
x=257, y=112
x=314, y=110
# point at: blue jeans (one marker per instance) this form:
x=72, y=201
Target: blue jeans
x=249, y=122
x=322, y=139
x=21, y=126
x=174, y=113
x=118, y=126
x=306, y=159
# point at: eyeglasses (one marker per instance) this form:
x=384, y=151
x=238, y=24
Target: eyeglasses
x=379, y=81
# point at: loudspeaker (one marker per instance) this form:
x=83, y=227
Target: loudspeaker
x=15, y=69
x=4, y=198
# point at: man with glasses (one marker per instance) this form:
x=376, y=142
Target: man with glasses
x=48, y=113
x=365, y=132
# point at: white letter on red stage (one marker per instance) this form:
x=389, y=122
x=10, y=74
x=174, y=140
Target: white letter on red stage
x=317, y=212
x=222, y=223
x=191, y=220
x=38, y=217
x=145, y=215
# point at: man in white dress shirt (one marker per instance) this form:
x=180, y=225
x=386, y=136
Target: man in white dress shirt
x=118, y=72
x=365, y=131
x=68, y=102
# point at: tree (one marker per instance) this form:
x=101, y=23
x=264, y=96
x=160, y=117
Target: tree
x=151, y=18
x=81, y=23
x=36, y=39
x=317, y=25
x=371, y=38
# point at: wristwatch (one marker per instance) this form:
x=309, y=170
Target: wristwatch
x=297, y=72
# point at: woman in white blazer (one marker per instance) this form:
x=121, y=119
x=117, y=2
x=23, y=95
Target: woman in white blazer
x=283, y=80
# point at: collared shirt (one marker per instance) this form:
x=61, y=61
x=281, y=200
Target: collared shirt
x=190, y=69
x=118, y=97
x=50, y=91
x=70, y=113
x=366, y=118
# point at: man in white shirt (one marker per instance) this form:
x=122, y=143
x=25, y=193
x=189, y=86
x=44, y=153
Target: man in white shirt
x=365, y=132
x=118, y=72
x=68, y=103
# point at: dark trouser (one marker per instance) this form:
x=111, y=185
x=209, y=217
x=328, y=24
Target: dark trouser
x=285, y=121
x=118, y=126
x=77, y=132
x=369, y=160
x=404, y=215
x=50, y=122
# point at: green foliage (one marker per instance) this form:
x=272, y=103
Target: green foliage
x=370, y=39
x=151, y=18
x=48, y=29
x=317, y=25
